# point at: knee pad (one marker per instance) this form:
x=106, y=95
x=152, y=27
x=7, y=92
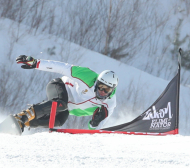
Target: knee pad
x=44, y=108
x=61, y=117
x=61, y=105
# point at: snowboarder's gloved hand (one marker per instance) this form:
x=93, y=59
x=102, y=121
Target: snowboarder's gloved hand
x=29, y=62
x=98, y=116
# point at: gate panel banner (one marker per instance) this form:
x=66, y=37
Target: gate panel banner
x=162, y=116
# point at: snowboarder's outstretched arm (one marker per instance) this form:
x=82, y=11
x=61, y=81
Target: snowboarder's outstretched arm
x=44, y=65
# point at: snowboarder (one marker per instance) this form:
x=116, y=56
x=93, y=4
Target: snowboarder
x=80, y=92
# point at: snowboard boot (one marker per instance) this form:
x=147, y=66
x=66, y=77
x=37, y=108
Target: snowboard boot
x=24, y=117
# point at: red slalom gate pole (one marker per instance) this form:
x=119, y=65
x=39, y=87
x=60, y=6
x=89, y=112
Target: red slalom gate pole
x=52, y=115
x=83, y=131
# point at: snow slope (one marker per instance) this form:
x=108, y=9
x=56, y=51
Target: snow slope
x=58, y=150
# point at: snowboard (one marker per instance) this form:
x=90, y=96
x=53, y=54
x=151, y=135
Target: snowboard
x=10, y=126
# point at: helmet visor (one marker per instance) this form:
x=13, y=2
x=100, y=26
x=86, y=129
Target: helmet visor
x=105, y=88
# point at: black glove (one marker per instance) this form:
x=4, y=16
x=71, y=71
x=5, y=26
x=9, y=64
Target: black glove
x=98, y=116
x=29, y=62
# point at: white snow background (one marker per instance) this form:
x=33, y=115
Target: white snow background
x=137, y=90
x=57, y=150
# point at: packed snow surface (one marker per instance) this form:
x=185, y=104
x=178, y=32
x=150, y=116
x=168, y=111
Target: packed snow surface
x=58, y=150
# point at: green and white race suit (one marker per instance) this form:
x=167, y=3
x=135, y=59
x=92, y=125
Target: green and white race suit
x=80, y=84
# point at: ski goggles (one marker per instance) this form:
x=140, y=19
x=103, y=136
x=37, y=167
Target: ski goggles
x=103, y=87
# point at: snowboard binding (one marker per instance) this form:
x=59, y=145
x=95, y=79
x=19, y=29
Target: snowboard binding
x=24, y=117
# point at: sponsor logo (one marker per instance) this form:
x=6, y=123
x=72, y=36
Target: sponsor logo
x=96, y=105
x=84, y=91
x=60, y=105
x=160, y=118
x=160, y=123
x=152, y=113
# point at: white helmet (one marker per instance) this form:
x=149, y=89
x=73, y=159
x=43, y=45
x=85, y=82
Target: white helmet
x=108, y=78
